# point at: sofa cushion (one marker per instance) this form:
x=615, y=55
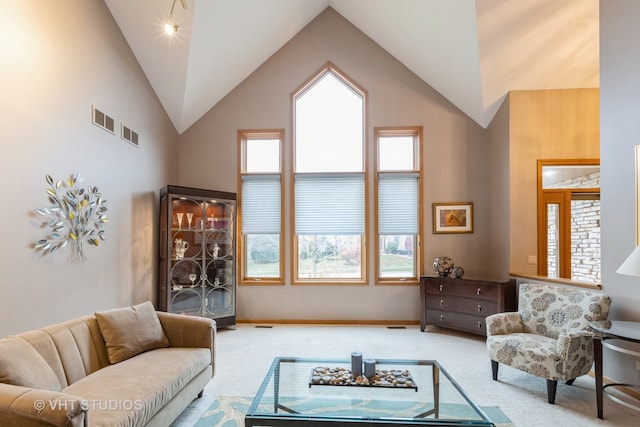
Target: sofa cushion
x=132, y=392
x=130, y=331
x=22, y=365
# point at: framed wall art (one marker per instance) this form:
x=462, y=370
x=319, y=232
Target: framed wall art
x=453, y=217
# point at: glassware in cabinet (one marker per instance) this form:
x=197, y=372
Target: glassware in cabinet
x=197, y=253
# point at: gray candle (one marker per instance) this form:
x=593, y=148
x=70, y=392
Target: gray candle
x=369, y=367
x=356, y=363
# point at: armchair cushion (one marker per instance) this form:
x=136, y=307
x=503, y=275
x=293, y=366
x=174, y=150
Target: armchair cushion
x=535, y=354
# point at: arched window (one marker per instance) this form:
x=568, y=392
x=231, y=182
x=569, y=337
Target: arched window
x=329, y=180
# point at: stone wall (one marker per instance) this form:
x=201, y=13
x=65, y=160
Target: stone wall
x=585, y=234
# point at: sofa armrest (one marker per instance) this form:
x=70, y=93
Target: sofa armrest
x=26, y=407
x=189, y=331
x=504, y=323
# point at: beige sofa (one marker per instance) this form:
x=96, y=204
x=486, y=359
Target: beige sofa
x=131, y=366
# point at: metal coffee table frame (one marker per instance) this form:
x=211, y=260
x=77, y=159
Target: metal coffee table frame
x=284, y=416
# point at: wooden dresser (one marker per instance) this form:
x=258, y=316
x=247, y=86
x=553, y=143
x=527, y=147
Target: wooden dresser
x=463, y=304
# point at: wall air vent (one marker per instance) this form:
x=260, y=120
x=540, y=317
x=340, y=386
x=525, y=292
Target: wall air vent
x=129, y=135
x=102, y=120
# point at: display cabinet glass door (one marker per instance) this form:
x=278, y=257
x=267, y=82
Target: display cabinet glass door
x=219, y=279
x=200, y=254
x=186, y=256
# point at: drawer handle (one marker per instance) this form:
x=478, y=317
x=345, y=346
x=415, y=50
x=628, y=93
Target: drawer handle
x=479, y=325
x=441, y=287
x=441, y=302
x=479, y=291
x=442, y=317
x=479, y=307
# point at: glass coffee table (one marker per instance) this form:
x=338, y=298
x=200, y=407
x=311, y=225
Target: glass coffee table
x=297, y=392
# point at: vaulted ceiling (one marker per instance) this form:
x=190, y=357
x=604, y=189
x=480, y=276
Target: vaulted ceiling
x=473, y=52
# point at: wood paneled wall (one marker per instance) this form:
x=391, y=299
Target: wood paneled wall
x=544, y=124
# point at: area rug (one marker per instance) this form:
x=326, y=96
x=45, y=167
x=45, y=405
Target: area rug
x=229, y=411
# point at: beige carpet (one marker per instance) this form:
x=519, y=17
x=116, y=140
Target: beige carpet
x=244, y=355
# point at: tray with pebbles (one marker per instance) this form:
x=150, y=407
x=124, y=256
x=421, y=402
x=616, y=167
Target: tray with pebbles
x=392, y=378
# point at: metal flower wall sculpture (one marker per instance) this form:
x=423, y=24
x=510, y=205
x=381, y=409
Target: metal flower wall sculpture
x=76, y=215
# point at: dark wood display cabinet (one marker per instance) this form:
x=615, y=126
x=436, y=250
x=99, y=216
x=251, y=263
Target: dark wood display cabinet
x=197, y=253
x=463, y=304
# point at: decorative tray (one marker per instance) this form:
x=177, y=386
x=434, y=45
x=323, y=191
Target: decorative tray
x=393, y=378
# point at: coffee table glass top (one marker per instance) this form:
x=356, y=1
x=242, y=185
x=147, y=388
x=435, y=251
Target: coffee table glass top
x=289, y=396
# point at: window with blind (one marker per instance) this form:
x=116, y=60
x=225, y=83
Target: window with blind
x=329, y=180
x=398, y=181
x=260, y=199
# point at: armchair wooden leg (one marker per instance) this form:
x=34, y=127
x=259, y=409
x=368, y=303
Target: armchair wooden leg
x=551, y=391
x=494, y=370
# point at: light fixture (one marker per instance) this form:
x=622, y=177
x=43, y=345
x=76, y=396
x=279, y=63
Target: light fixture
x=170, y=28
x=631, y=265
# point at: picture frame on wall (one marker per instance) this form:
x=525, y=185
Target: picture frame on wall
x=454, y=217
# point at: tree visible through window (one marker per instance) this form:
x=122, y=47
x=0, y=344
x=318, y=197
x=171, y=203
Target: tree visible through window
x=328, y=191
x=329, y=179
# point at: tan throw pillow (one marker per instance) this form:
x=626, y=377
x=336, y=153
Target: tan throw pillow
x=21, y=364
x=131, y=330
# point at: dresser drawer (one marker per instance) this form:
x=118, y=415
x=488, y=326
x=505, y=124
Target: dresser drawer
x=480, y=307
x=463, y=303
x=462, y=321
x=463, y=288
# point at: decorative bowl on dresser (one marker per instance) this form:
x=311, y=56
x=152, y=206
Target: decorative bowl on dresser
x=463, y=304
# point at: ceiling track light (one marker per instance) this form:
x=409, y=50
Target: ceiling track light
x=170, y=28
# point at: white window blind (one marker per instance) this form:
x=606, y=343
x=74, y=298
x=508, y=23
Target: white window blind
x=261, y=204
x=329, y=204
x=398, y=204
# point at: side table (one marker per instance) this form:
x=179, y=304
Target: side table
x=612, y=330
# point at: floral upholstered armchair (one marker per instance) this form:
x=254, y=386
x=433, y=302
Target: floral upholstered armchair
x=547, y=336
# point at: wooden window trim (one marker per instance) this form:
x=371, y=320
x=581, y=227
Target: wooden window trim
x=417, y=133
x=563, y=198
x=329, y=67
x=243, y=136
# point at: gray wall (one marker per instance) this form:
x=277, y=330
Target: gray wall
x=619, y=133
x=58, y=59
x=455, y=163
x=499, y=186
